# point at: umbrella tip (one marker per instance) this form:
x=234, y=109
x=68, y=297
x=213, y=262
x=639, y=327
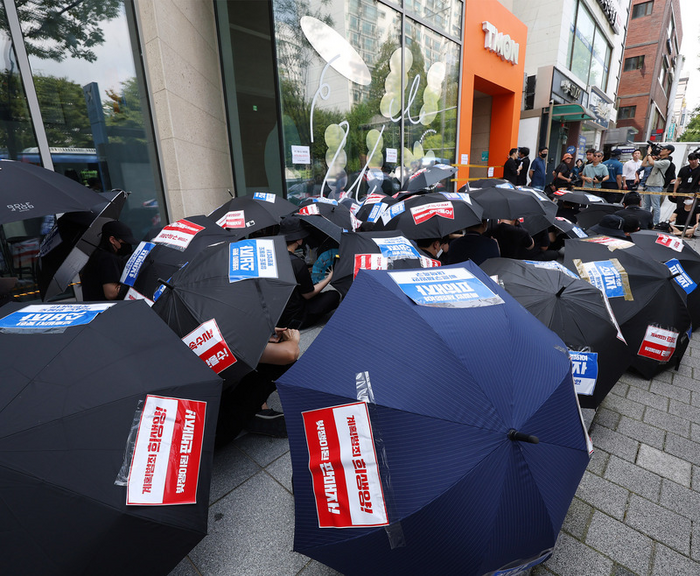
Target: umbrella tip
x=516, y=436
x=560, y=291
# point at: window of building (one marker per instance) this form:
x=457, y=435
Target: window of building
x=643, y=9
x=634, y=63
x=589, y=51
x=626, y=112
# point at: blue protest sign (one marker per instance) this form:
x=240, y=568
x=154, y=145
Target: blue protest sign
x=265, y=196
x=682, y=278
x=584, y=369
x=40, y=317
x=605, y=276
x=551, y=265
x=396, y=248
x=133, y=266
x=252, y=259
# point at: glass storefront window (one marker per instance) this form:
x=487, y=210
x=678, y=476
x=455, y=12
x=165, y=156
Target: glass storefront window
x=445, y=15
x=589, y=52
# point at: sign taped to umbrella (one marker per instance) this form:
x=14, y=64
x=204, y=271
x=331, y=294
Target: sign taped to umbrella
x=179, y=234
x=252, y=259
x=232, y=219
x=51, y=317
x=584, y=369
x=133, y=266
x=609, y=276
x=168, y=451
x=453, y=288
x=427, y=211
x=658, y=344
x=343, y=466
x=132, y=294
x=207, y=342
x=670, y=242
x=396, y=248
x=265, y=196
x=551, y=265
x=681, y=276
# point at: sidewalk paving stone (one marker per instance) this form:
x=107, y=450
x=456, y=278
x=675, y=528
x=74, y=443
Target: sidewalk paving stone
x=603, y=495
x=684, y=410
x=659, y=523
x=623, y=405
x=648, y=399
x=642, y=432
x=615, y=443
x=577, y=518
x=667, y=421
x=634, y=478
x=621, y=543
x=680, y=499
x=607, y=418
x=668, y=562
x=686, y=382
x=598, y=461
x=683, y=448
x=671, y=391
x=573, y=558
x=664, y=465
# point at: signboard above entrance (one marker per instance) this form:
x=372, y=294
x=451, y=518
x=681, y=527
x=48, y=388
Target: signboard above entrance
x=502, y=44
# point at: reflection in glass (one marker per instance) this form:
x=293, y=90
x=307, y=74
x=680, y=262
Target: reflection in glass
x=445, y=15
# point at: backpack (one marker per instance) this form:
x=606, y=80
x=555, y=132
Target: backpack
x=669, y=176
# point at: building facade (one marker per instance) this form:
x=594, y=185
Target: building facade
x=572, y=69
x=651, y=68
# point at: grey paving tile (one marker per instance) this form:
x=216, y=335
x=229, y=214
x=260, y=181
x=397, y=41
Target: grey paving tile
x=648, y=398
x=666, y=421
x=684, y=370
x=671, y=391
x=686, y=382
x=541, y=570
x=695, y=545
x=664, y=465
x=262, y=449
x=621, y=543
x=623, y=406
x=684, y=410
x=694, y=398
x=577, y=518
x=695, y=432
x=615, y=443
x=692, y=360
x=607, y=418
x=633, y=478
x=683, y=448
x=642, y=432
x=314, y=568
x=620, y=389
x=250, y=533
x=621, y=571
x=667, y=562
x=696, y=478
x=184, y=568
x=281, y=470
x=680, y=499
x=598, y=461
x=634, y=380
x=603, y=495
x=231, y=468
x=660, y=523
x=573, y=558
x=666, y=376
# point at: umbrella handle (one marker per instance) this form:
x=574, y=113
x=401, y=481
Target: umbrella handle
x=514, y=435
x=166, y=283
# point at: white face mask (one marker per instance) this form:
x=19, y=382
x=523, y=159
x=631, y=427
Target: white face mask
x=687, y=202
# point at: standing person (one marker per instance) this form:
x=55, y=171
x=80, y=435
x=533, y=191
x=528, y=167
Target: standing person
x=596, y=173
x=562, y=173
x=589, y=155
x=524, y=168
x=688, y=176
x=538, y=169
x=614, y=182
x=576, y=172
x=100, y=276
x=510, y=169
x=629, y=171
x=656, y=179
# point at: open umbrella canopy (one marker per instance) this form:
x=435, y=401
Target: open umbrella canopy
x=431, y=215
x=252, y=213
x=373, y=205
x=578, y=313
x=594, y=214
x=647, y=301
x=506, y=202
x=337, y=212
x=422, y=459
x=681, y=259
x=578, y=197
x=62, y=258
x=377, y=250
x=537, y=222
x=427, y=177
x=72, y=379
x=28, y=191
x=225, y=304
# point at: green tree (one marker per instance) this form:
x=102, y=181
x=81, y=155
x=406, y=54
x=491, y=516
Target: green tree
x=692, y=130
x=64, y=112
x=123, y=114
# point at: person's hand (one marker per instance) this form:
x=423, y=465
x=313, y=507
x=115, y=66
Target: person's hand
x=330, y=274
x=291, y=335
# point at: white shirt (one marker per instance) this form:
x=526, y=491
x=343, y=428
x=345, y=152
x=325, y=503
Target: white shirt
x=630, y=168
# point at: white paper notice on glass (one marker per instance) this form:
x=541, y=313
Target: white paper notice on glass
x=490, y=173
x=301, y=155
x=391, y=155
x=464, y=159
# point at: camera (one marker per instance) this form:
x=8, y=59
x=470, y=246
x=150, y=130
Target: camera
x=655, y=148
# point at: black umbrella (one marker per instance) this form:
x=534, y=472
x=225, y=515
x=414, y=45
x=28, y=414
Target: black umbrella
x=577, y=197
x=177, y=244
x=28, y=191
x=537, y=222
x=427, y=177
x=225, y=304
x=373, y=205
x=680, y=258
x=432, y=215
x=68, y=401
x=507, y=202
x=252, y=213
x=339, y=214
x=62, y=262
x=578, y=313
x=649, y=305
x=594, y=214
x=377, y=250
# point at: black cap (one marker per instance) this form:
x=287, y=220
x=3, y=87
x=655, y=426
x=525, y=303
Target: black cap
x=669, y=147
x=610, y=225
x=615, y=152
x=292, y=228
x=119, y=230
x=632, y=199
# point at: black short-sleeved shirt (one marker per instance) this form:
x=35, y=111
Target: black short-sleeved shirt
x=524, y=169
x=512, y=240
x=103, y=267
x=296, y=305
x=510, y=171
x=472, y=246
x=646, y=219
x=565, y=171
x=688, y=179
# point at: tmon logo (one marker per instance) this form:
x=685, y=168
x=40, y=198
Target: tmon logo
x=502, y=44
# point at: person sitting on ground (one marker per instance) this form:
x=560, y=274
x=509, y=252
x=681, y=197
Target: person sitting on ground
x=432, y=247
x=512, y=238
x=244, y=403
x=630, y=225
x=473, y=246
x=632, y=205
x=307, y=304
x=610, y=225
x=568, y=210
x=541, y=250
x=100, y=276
x=682, y=215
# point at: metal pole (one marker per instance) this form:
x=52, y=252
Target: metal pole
x=692, y=209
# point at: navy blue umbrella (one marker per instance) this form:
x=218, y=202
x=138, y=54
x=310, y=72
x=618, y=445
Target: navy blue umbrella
x=446, y=439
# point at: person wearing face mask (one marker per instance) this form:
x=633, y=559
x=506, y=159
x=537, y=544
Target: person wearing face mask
x=538, y=170
x=683, y=215
x=100, y=276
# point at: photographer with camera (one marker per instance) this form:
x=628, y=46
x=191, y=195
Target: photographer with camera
x=658, y=158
